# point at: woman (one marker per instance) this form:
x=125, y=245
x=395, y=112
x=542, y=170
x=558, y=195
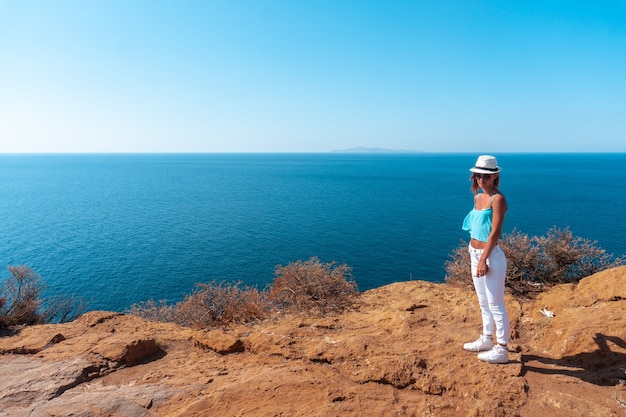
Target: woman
x=484, y=224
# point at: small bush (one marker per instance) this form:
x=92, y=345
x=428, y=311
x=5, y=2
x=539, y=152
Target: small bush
x=62, y=308
x=458, y=267
x=534, y=263
x=313, y=285
x=21, y=297
x=155, y=311
x=21, y=301
x=310, y=286
x=208, y=306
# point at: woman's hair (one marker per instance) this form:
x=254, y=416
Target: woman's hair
x=475, y=187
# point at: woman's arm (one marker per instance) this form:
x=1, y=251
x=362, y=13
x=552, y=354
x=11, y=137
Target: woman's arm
x=499, y=207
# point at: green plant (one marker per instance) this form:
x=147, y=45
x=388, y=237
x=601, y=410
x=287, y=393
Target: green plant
x=536, y=262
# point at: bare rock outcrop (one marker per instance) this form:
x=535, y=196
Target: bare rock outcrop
x=397, y=353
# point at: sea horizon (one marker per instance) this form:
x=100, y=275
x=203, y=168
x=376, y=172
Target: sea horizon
x=143, y=226
x=374, y=151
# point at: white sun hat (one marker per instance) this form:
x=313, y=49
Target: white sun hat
x=486, y=164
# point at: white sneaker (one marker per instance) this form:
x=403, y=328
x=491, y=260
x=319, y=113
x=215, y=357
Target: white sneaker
x=499, y=354
x=484, y=342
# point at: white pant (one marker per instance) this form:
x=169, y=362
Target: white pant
x=490, y=292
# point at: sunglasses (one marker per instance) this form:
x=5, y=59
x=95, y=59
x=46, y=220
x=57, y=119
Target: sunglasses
x=485, y=176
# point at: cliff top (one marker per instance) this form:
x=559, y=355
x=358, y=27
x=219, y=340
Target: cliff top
x=397, y=353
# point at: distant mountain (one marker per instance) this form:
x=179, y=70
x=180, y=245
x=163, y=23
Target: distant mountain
x=361, y=149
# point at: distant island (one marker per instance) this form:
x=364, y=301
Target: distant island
x=361, y=149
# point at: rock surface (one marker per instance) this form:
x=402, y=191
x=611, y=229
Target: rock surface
x=398, y=353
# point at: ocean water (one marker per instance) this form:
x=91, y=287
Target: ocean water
x=121, y=229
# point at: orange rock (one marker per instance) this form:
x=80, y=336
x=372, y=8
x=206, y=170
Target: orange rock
x=397, y=353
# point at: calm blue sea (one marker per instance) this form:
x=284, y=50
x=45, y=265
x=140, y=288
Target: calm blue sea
x=121, y=229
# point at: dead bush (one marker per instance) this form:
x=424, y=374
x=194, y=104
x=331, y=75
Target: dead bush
x=223, y=303
x=63, y=308
x=302, y=286
x=313, y=286
x=570, y=258
x=155, y=311
x=534, y=263
x=458, y=266
x=306, y=286
x=210, y=305
x=21, y=301
x=21, y=293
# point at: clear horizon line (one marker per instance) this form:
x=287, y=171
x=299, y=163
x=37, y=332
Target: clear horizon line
x=337, y=151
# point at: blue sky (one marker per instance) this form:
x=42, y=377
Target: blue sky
x=312, y=75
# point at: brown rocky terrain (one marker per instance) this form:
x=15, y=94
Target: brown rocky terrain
x=398, y=353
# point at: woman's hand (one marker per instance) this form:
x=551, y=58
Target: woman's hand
x=481, y=269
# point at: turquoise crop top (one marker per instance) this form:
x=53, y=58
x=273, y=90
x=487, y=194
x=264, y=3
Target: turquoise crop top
x=478, y=223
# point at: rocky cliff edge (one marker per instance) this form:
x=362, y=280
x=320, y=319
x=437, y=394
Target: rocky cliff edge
x=398, y=353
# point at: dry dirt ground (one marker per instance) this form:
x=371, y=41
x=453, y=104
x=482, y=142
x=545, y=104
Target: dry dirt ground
x=398, y=353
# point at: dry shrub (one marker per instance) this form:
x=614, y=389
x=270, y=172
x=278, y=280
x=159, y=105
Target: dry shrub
x=223, y=303
x=22, y=297
x=210, y=305
x=458, y=266
x=313, y=286
x=302, y=286
x=556, y=258
x=21, y=301
x=570, y=258
x=63, y=308
x=534, y=263
x=524, y=261
x=155, y=311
